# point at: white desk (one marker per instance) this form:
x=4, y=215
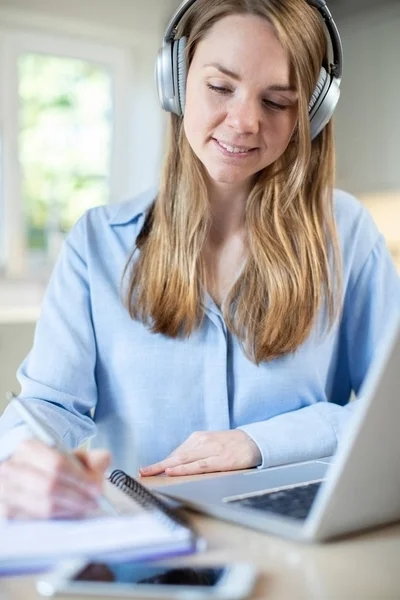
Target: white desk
x=362, y=567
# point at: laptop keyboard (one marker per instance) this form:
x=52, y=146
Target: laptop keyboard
x=291, y=502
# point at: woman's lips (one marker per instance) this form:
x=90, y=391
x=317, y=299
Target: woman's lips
x=232, y=150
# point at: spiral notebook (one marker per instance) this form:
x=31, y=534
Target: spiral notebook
x=147, y=528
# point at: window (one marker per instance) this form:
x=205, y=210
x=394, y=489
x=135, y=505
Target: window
x=64, y=147
x=64, y=142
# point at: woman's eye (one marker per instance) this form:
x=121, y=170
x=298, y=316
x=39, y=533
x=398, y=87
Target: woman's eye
x=275, y=105
x=218, y=89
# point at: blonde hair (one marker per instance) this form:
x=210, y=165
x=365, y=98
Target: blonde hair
x=292, y=267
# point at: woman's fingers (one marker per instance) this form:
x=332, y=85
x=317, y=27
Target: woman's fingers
x=97, y=461
x=38, y=482
x=55, y=469
x=29, y=494
x=207, y=451
x=174, y=460
x=203, y=465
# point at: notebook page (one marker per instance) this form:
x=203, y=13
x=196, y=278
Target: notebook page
x=41, y=540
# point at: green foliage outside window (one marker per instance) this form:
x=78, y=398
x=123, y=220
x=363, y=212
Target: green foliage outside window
x=64, y=144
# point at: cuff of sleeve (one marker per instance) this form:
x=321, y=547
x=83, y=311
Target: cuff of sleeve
x=293, y=437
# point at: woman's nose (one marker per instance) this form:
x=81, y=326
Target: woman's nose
x=244, y=116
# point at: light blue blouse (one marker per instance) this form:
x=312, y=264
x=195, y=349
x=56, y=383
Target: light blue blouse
x=93, y=371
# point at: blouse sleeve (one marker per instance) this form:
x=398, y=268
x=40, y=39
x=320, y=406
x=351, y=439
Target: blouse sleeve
x=58, y=375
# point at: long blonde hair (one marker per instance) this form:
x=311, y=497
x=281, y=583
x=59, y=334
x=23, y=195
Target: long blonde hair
x=293, y=265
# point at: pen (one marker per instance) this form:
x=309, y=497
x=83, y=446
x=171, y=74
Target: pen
x=43, y=433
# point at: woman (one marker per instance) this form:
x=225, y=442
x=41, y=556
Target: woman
x=253, y=296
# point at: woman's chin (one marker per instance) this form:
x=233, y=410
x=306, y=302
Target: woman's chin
x=225, y=177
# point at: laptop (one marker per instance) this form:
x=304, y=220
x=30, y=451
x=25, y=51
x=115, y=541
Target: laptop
x=315, y=501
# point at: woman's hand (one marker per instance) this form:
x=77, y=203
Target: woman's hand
x=208, y=451
x=37, y=482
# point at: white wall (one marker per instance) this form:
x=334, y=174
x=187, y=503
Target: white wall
x=145, y=17
x=368, y=116
x=15, y=343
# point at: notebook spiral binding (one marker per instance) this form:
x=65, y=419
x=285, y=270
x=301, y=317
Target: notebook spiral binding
x=147, y=499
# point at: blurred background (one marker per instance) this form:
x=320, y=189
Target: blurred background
x=80, y=125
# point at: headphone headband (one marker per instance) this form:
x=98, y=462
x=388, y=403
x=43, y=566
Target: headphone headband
x=171, y=70
x=336, y=42
x=172, y=25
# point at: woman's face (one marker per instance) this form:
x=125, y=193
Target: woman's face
x=241, y=107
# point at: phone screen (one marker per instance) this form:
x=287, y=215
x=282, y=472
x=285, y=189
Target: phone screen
x=137, y=573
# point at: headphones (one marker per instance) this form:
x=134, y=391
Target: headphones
x=171, y=71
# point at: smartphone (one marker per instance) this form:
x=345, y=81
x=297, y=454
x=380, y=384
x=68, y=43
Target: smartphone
x=149, y=580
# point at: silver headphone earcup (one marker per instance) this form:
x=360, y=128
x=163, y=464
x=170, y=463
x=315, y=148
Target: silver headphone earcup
x=179, y=75
x=323, y=102
x=181, y=71
x=319, y=89
x=170, y=75
x=164, y=77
